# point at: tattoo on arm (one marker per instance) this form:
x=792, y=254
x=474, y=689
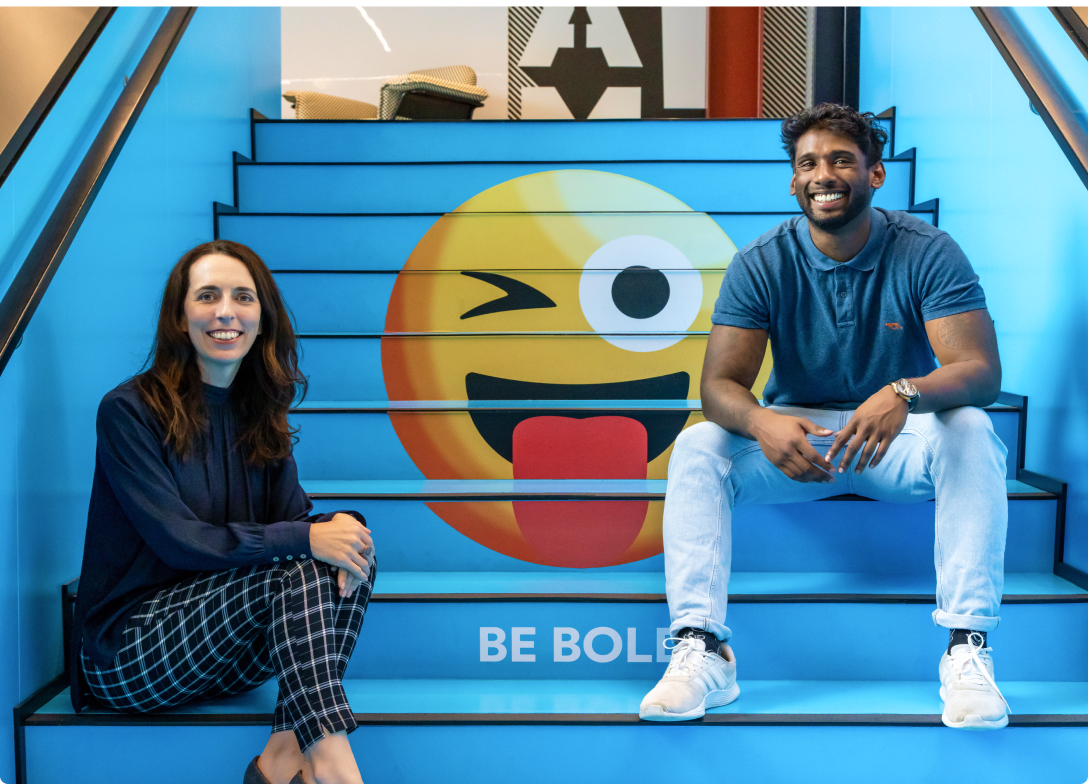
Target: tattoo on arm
x=955, y=332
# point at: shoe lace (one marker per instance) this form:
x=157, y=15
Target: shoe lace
x=685, y=656
x=971, y=668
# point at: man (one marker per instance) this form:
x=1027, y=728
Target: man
x=856, y=301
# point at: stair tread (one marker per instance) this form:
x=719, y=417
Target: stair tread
x=459, y=489
x=457, y=697
x=653, y=583
x=506, y=405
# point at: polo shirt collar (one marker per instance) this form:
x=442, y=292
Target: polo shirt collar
x=865, y=260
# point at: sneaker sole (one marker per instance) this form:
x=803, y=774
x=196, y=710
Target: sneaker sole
x=713, y=699
x=973, y=721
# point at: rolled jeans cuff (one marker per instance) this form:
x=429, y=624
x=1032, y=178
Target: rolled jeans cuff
x=977, y=623
x=721, y=631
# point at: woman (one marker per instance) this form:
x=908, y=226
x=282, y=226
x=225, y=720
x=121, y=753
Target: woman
x=203, y=571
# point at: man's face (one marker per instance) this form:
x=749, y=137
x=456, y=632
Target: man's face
x=831, y=180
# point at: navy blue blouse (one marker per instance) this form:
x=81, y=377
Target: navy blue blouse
x=156, y=519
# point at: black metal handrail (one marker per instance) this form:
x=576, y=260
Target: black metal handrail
x=26, y=290
x=1046, y=95
x=1075, y=25
x=22, y=137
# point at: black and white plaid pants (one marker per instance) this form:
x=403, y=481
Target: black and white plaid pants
x=220, y=633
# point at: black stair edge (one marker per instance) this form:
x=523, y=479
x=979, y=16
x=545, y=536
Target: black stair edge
x=740, y=598
x=911, y=156
x=918, y=208
x=512, y=405
x=23, y=714
x=496, y=121
x=582, y=496
x=535, y=719
x=241, y=160
x=1072, y=574
x=889, y=115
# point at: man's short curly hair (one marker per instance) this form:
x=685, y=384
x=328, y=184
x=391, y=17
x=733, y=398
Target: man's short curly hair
x=846, y=121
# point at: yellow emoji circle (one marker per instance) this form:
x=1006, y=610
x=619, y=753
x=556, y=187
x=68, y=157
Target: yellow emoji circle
x=570, y=285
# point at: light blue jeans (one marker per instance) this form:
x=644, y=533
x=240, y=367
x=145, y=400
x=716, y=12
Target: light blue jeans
x=953, y=456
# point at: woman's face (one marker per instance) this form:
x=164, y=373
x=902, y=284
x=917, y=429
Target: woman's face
x=222, y=316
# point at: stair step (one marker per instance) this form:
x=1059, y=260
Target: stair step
x=442, y=187
x=827, y=536
x=744, y=587
x=535, y=489
x=455, y=701
x=353, y=243
x=329, y=430
x=343, y=142
x=553, y=639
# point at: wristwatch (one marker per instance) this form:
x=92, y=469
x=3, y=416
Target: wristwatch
x=905, y=388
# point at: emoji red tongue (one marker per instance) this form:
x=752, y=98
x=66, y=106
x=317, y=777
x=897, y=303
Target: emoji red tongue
x=580, y=533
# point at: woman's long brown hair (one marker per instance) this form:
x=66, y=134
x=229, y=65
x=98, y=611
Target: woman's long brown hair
x=268, y=379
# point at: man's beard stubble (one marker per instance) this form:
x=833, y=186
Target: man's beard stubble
x=859, y=203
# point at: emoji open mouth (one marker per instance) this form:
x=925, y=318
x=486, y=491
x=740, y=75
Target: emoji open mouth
x=661, y=427
x=593, y=444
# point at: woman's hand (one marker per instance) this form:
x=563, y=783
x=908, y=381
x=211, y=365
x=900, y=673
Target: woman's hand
x=342, y=542
x=347, y=582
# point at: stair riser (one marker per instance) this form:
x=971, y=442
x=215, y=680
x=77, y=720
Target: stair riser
x=823, y=536
x=352, y=368
x=522, y=141
x=577, y=754
x=329, y=444
x=771, y=641
x=384, y=242
x=704, y=187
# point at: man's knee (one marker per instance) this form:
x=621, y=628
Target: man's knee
x=705, y=437
x=968, y=429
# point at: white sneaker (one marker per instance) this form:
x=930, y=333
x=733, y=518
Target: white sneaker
x=696, y=679
x=972, y=700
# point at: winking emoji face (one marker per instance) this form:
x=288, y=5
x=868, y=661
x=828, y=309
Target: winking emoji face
x=573, y=285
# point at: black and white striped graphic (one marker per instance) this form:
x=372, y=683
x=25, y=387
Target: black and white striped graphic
x=520, y=23
x=785, y=61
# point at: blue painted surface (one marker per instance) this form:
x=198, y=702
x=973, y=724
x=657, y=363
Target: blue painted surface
x=973, y=133
x=95, y=323
x=826, y=536
x=796, y=641
x=704, y=187
x=623, y=697
x=384, y=242
x=590, y=755
x=654, y=583
x=328, y=445
x=611, y=140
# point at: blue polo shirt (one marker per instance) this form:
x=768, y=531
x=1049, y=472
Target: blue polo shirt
x=841, y=330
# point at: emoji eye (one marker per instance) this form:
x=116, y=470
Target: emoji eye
x=519, y=296
x=640, y=283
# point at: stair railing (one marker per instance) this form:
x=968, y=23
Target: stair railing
x=41, y=264
x=1046, y=94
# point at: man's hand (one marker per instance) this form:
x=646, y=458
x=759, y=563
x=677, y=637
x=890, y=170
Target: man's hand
x=341, y=542
x=782, y=439
x=875, y=425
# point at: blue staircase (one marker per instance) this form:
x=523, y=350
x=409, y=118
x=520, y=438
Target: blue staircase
x=518, y=618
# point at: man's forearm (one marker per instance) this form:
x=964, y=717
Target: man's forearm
x=968, y=383
x=730, y=405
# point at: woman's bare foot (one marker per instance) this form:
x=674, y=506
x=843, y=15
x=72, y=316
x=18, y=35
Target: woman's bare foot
x=332, y=760
x=281, y=759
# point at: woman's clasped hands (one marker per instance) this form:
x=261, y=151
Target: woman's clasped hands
x=345, y=543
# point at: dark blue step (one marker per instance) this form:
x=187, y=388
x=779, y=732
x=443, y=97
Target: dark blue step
x=330, y=430
x=485, y=749
x=443, y=187
x=384, y=242
x=826, y=536
x=353, y=142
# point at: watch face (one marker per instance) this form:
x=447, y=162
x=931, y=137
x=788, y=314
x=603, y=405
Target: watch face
x=906, y=387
